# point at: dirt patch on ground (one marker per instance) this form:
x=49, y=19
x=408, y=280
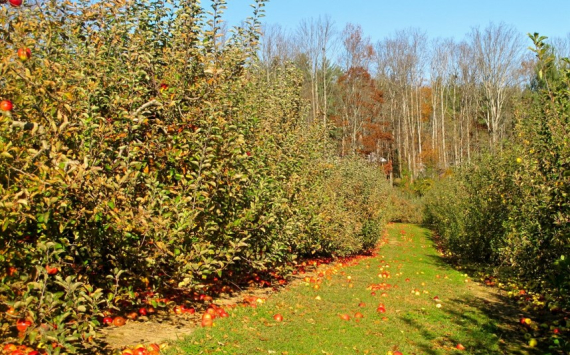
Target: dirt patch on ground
x=164, y=327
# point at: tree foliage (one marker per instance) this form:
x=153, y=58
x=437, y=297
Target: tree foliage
x=146, y=153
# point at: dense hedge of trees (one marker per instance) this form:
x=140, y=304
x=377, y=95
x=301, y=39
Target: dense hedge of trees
x=147, y=153
x=511, y=209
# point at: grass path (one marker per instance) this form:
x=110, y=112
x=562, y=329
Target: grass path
x=405, y=276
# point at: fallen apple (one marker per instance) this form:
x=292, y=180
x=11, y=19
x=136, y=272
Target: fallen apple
x=24, y=54
x=278, y=317
x=6, y=105
x=119, y=321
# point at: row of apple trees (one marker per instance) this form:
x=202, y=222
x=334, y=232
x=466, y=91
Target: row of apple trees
x=512, y=209
x=141, y=153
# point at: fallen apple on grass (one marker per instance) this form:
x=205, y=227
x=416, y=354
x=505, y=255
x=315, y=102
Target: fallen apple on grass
x=6, y=105
x=24, y=54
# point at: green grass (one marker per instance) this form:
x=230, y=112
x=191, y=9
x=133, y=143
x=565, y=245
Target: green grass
x=413, y=323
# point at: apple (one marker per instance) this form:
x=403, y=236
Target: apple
x=278, y=317
x=344, y=316
x=154, y=347
x=51, y=270
x=220, y=311
x=6, y=105
x=143, y=311
x=140, y=351
x=24, y=54
x=23, y=324
x=107, y=320
x=11, y=312
x=9, y=348
x=119, y=321
x=212, y=312
x=207, y=320
x=358, y=315
x=34, y=352
x=362, y=304
x=15, y=3
x=397, y=353
x=459, y=347
x=132, y=316
x=532, y=343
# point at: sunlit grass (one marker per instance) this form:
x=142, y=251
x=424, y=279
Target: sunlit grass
x=412, y=323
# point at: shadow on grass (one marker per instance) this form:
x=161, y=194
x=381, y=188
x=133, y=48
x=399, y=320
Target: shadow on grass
x=503, y=312
x=498, y=335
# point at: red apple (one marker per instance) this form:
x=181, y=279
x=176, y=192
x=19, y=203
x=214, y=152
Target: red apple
x=344, y=316
x=24, y=54
x=397, y=353
x=51, y=270
x=207, y=320
x=143, y=311
x=119, y=321
x=278, y=317
x=23, y=324
x=140, y=351
x=154, y=347
x=358, y=315
x=132, y=316
x=9, y=348
x=212, y=312
x=459, y=347
x=6, y=105
x=107, y=320
x=15, y=3
x=362, y=304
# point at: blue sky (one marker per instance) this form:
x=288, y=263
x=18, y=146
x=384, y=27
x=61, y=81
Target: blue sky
x=439, y=18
